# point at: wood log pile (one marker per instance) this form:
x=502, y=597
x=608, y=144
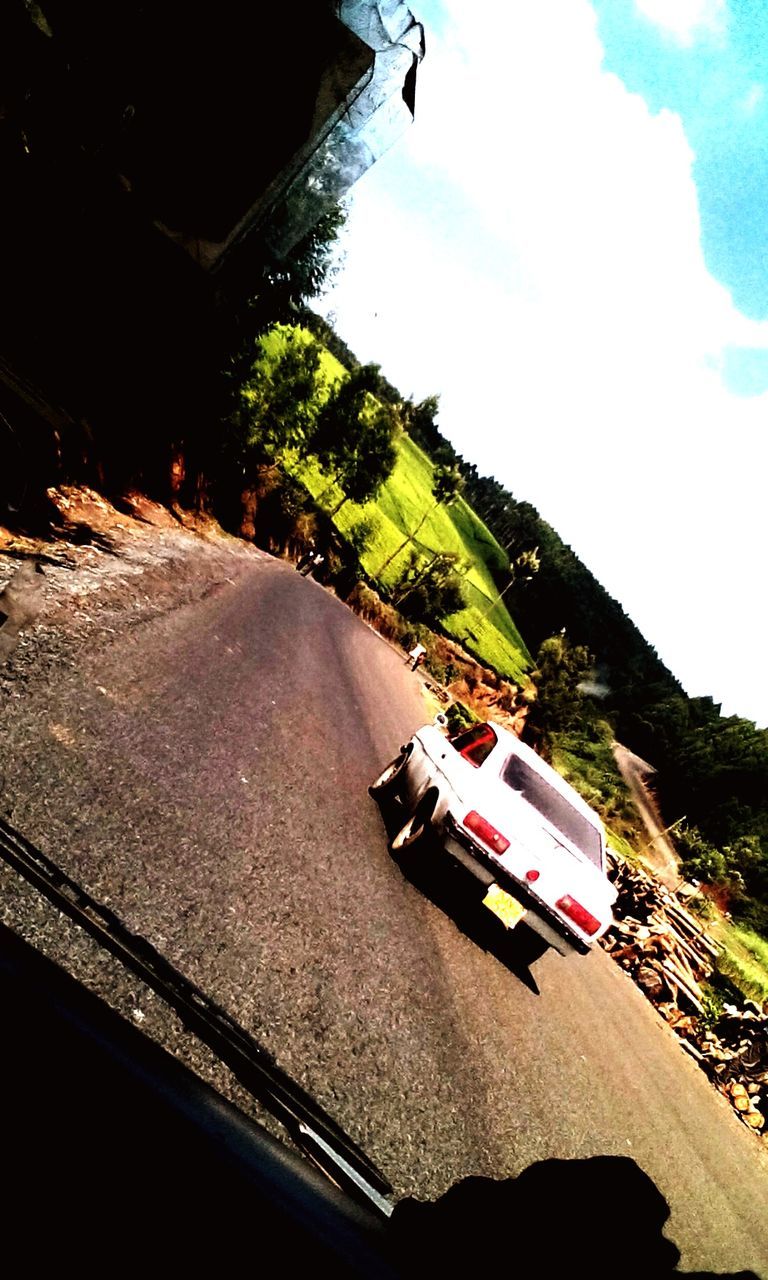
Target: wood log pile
x=669, y=954
x=665, y=948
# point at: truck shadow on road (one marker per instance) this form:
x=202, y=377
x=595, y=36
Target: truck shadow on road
x=460, y=897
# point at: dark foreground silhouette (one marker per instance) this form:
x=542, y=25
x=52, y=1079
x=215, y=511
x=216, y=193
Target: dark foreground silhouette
x=600, y=1218
x=118, y=1160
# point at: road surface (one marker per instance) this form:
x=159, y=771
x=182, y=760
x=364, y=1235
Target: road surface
x=202, y=767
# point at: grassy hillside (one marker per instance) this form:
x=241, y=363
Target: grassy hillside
x=745, y=957
x=487, y=629
x=484, y=626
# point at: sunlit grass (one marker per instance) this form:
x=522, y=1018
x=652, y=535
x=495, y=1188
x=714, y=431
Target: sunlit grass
x=484, y=625
x=744, y=959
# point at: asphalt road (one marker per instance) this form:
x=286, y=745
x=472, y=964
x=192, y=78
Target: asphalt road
x=205, y=773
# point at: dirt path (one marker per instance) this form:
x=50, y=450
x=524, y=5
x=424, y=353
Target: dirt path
x=659, y=853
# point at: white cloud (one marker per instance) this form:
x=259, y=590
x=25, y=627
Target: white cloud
x=752, y=100
x=555, y=293
x=686, y=20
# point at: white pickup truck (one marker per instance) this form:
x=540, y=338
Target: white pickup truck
x=489, y=802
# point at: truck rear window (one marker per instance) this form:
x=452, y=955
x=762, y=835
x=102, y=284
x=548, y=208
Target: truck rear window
x=579, y=830
x=476, y=744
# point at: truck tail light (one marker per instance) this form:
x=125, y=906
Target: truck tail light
x=583, y=918
x=485, y=832
x=532, y=875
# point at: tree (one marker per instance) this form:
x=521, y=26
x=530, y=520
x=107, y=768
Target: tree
x=370, y=461
x=447, y=486
x=286, y=283
x=323, y=329
x=309, y=267
x=361, y=533
x=283, y=512
x=737, y=869
x=282, y=399
x=285, y=286
x=560, y=668
x=699, y=859
x=420, y=422
x=429, y=592
x=354, y=436
x=745, y=859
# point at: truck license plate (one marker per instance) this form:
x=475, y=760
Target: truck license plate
x=508, y=910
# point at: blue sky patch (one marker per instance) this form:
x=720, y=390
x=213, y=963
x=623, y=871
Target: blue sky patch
x=718, y=85
x=745, y=370
x=433, y=16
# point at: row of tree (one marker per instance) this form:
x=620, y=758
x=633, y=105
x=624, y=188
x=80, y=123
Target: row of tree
x=286, y=404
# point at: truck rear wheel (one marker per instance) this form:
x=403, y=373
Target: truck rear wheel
x=390, y=780
x=411, y=834
x=416, y=831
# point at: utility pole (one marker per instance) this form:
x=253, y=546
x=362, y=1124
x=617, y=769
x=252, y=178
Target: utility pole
x=513, y=581
x=498, y=599
x=659, y=834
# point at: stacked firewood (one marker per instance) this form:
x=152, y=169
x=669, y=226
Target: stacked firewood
x=665, y=948
x=734, y=1054
x=669, y=954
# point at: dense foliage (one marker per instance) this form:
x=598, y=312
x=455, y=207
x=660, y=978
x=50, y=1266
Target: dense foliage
x=560, y=669
x=353, y=438
x=428, y=591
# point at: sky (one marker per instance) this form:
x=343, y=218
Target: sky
x=570, y=246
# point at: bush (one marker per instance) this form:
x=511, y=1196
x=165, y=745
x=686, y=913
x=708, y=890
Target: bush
x=700, y=860
x=460, y=717
x=280, y=512
x=436, y=669
x=376, y=613
x=754, y=914
x=713, y=1001
x=362, y=533
x=342, y=566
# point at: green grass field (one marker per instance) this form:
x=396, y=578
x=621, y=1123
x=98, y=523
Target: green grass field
x=745, y=958
x=484, y=625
